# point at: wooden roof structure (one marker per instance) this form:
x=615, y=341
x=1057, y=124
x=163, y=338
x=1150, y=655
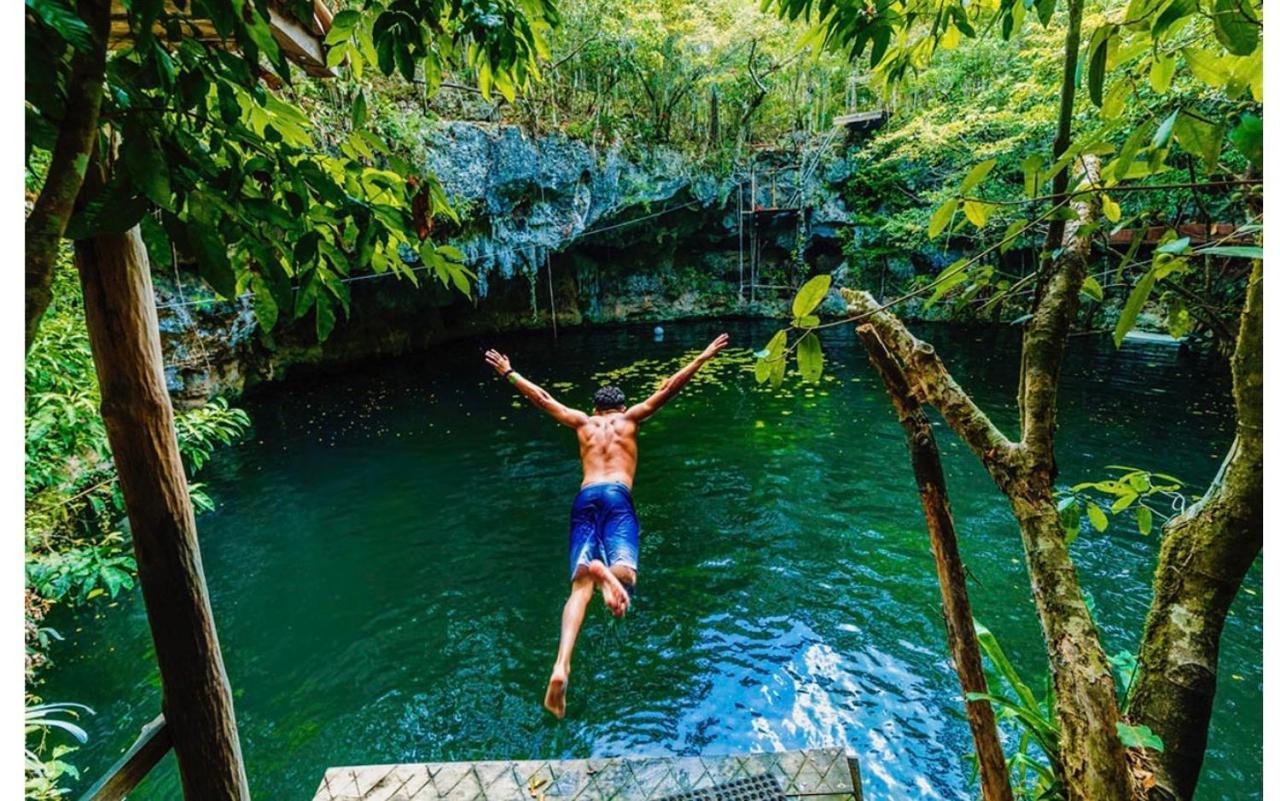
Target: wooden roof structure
x=302, y=41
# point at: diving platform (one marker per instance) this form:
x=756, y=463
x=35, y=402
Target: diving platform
x=824, y=774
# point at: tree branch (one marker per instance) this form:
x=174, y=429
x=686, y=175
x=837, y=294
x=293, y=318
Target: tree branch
x=932, y=383
x=47, y=221
x=1045, y=337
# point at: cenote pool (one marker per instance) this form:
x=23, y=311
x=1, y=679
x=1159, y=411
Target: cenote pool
x=387, y=564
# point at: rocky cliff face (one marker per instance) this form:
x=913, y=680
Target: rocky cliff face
x=556, y=231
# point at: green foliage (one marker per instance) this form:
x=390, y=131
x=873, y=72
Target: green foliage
x=771, y=362
x=1169, y=103
x=1145, y=494
x=44, y=756
x=1035, y=764
x=232, y=171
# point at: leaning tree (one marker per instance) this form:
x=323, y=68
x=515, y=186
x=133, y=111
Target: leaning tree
x=1097, y=165
x=166, y=131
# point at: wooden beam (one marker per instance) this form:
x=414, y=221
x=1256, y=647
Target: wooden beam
x=145, y=753
x=301, y=43
x=961, y=636
x=120, y=315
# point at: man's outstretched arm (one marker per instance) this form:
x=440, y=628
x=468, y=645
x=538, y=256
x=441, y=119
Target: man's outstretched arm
x=539, y=396
x=673, y=384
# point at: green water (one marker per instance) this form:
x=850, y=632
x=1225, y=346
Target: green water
x=387, y=565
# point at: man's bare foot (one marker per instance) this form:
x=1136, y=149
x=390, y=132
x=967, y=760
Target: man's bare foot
x=554, y=702
x=615, y=595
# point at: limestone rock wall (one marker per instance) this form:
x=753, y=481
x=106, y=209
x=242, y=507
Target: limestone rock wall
x=603, y=236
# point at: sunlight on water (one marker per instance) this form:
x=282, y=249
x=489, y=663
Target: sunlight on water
x=386, y=564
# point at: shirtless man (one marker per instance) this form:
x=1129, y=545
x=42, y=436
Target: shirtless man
x=604, y=535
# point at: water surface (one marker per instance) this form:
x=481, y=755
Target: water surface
x=387, y=564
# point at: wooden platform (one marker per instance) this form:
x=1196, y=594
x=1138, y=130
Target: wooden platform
x=814, y=775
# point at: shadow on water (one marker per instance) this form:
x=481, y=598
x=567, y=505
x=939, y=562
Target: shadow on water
x=387, y=564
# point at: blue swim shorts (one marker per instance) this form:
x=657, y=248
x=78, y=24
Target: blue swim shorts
x=603, y=526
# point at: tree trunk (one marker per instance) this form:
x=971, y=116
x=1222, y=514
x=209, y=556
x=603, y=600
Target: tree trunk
x=962, y=639
x=47, y=221
x=1204, y=556
x=1091, y=753
x=121, y=318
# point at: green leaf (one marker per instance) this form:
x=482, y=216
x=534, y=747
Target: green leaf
x=811, y=295
x=264, y=303
x=1110, y=208
x=1162, y=68
x=1123, y=502
x=807, y=321
x=809, y=358
x=1091, y=289
x=942, y=217
x=1165, y=130
x=948, y=279
x=1130, y=149
x=1174, y=11
x=1098, y=45
x=1011, y=235
x=1235, y=251
x=1235, y=26
x=1097, y=517
x=325, y=317
x=975, y=176
x=1247, y=137
x=1144, y=520
x=1200, y=138
x=1207, y=65
x=1069, y=517
x=146, y=165
x=1178, y=320
x=1137, y=299
x=359, y=111
x=772, y=351
x=977, y=212
x=1139, y=737
x=1031, y=174
x=211, y=257
x=65, y=21
x=1176, y=246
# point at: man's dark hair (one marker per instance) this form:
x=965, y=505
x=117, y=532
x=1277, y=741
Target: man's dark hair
x=610, y=397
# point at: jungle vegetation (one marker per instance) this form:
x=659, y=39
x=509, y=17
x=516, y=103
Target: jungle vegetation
x=1024, y=138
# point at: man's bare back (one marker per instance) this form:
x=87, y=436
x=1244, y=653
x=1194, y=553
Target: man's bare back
x=604, y=536
x=607, y=445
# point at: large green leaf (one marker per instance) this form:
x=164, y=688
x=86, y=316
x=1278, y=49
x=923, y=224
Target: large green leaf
x=1200, y=138
x=1098, y=46
x=1132, y=306
x=976, y=175
x=772, y=352
x=1247, y=137
x=1236, y=26
x=811, y=295
x=211, y=257
x=941, y=218
x=809, y=358
x=1234, y=251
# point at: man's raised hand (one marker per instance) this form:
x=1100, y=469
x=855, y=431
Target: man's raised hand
x=500, y=363
x=717, y=345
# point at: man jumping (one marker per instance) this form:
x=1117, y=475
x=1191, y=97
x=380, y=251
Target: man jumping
x=604, y=535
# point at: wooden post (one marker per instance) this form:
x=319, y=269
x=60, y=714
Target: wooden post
x=961, y=637
x=120, y=314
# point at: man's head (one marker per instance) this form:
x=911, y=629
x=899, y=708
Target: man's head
x=610, y=399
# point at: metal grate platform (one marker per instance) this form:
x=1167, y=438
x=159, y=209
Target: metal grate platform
x=764, y=787
x=826, y=774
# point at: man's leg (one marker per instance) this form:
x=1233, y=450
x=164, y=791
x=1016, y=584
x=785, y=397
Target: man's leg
x=615, y=595
x=570, y=622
